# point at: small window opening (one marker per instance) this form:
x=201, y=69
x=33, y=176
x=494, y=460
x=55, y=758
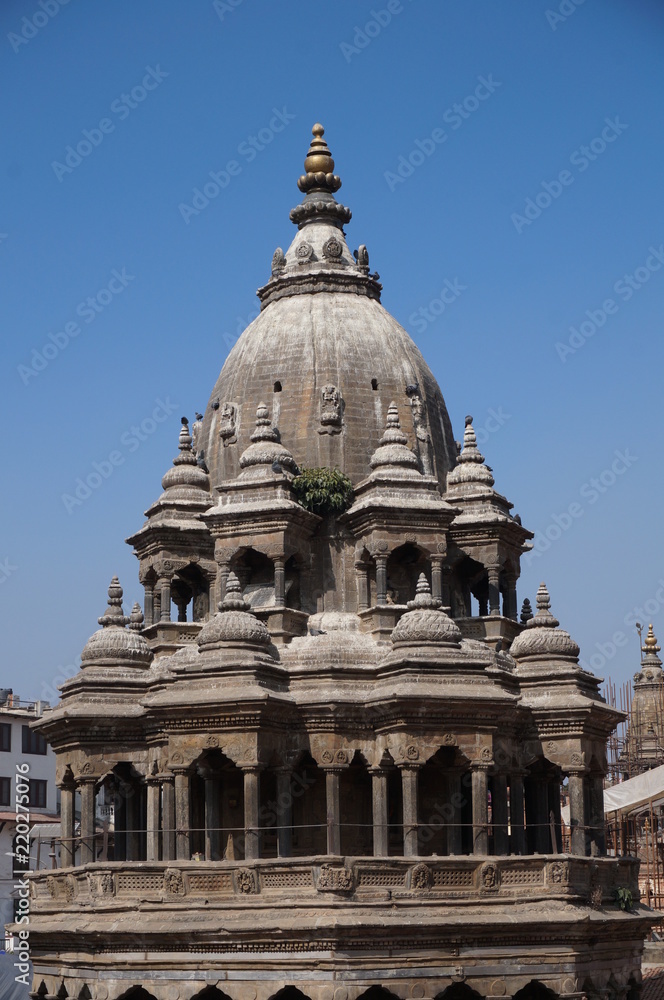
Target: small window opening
x=374, y=384
x=277, y=386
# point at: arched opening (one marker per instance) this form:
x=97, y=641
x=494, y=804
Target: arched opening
x=124, y=793
x=436, y=810
x=404, y=566
x=277, y=386
x=152, y=601
x=535, y=991
x=216, y=807
x=469, y=589
x=374, y=384
x=377, y=993
x=256, y=575
x=289, y=993
x=459, y=991
x=356, y=809
x=190, y=593
x=542, y=800
x=210, y=993
x=84, y=993
x=137, y=993
x=309, y=809
x=268, y=814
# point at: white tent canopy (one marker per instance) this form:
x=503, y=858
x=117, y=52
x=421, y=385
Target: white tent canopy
x=635, y=792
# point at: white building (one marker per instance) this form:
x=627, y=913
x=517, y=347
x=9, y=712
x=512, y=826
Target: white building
x=23, y=754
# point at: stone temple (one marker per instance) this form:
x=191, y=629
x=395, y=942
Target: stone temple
x=345, y=783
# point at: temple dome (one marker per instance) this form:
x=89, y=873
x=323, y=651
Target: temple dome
x=323, y=335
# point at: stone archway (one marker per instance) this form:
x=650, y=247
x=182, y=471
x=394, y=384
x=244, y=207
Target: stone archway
x=459, y=991
x=535, y=991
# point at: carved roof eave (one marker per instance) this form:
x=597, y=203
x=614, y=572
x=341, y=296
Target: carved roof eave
x=594, y=718
x=260, y=519
x=405, y=513
x=163, y=532
x=477, y=532
x=313, y=279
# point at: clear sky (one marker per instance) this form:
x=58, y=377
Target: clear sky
x=511, y=152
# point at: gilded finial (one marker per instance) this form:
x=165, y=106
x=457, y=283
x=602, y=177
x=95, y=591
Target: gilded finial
x=319, y=166
x=650, y=644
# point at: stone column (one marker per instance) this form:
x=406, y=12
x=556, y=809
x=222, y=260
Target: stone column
x=499, y=814
x=493, y=571
x=251, y=801
x=87, y=788
x=518, y=838
x=279, y=582
x=577, y=812
x=511, y=609
x=284, y=813
x=409, y=775
x=362, y=585
x=67, y=825
x=445, y=586
x=152, y=839
x=380, y=818
x=332, y=782
x=182, y=813
x=212, y=817
x=156, y=605
x=222, y=577
x=454, y=842
x=543, y=826
x=133, y=822
x=596, y=818
x=480, y=809
x=165, y=591
x=149, y=603
x=437, y=578
x=381, y=579
x=167, y=817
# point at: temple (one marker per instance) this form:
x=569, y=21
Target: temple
x=334, y=748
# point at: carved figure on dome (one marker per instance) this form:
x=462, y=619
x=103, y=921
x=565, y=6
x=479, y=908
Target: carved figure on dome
x=330, y=410
x=227, y=422
x=424, y=447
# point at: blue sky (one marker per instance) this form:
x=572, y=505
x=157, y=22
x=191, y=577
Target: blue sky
x=511, y=150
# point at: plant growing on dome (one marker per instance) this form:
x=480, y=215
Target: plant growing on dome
x=323, y=491
x=624, y=899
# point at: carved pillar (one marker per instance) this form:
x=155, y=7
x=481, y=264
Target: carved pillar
x=213, y=599
x=149, y=603
x=596, y=818
x=156, y=605
x=446, y=596
x=168, y=817
x=67, y=825
x=381, y=579
x=480, y=809
x=284, y=814
x=577, y=812
x=543, y=826
x=222, y=578
x=455, y=800
x=332, y=782
x=510, y=609
x=182, y=610
x=152, y=840
x=165, y=592
x=493, y=571
x=134, y=822
x=437, y=578
x=409, y=775
x=279, y=582
x=182, y=812
x=87, y=788
x=518, y=838
x=499, y=814
x=362, y=584
x=251, y=800
x=212, y=818
x=380, y=817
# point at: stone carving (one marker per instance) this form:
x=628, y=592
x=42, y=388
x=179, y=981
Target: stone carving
x=421, y=877
x=177, y=758
x=51, y=886
x=362, y=257
x=489, y=877
x=174, y=882
x=449, y=740
x=332, y=249
x=86, y=768
x=558, y=873
x=278, y=261
x=227, y=424
x=245, y=881
x=341, y=757
x=330, y=410
x=107, y=884
x=577, y=760
x=424, y=447
x=333, y=879
x=211, y=741
x=304, y=252
x=485, y=754
x=327, y=756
